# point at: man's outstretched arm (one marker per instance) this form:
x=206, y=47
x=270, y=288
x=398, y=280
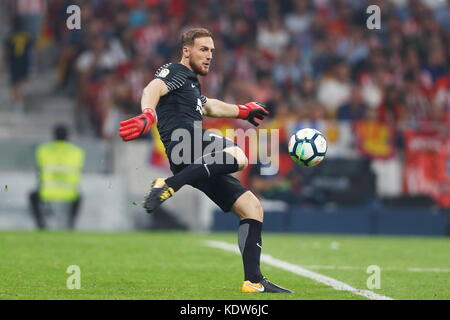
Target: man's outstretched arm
x=152, y=92
x=135, y=127
x=218, y=109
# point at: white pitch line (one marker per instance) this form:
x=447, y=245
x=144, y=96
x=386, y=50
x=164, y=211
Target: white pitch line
x=335, y=284
x=427, y=270
x=318, y=267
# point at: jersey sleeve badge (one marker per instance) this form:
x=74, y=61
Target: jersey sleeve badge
x=164, y=73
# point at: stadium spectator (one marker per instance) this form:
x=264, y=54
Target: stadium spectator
x=96, y=70
x=335, y=89
x=303, y=102
x=59, y=164
x=18, y=46
x=442, y=96
x=32, y=13
x=263, y=90
x=418, y=106
x=392, y=109
x=273, y=37
x=300, y=19
x=286, y=71
x=354, y=109
x=436, y=63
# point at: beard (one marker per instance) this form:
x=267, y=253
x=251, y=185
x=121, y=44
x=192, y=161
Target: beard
x=198, y=68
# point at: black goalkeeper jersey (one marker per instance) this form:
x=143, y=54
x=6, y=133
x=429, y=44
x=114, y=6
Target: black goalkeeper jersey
x=182, y=105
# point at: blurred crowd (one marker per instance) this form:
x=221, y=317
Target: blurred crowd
x=309, y=59
x=303, y=58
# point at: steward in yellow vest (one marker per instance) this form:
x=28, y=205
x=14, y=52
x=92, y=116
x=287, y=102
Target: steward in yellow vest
x=60, y=164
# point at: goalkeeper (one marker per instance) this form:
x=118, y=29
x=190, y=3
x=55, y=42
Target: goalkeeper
x=174, y=99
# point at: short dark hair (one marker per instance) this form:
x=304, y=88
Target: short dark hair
x=188, y=37
x=60, y=132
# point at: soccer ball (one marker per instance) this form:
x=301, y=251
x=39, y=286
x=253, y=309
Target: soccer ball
x=307, y=147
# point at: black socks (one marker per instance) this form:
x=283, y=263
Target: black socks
x=250, y=245
x=249, y=234
x=207, y=168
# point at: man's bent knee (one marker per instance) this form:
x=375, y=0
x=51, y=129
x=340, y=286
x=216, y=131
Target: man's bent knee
x=248, y=206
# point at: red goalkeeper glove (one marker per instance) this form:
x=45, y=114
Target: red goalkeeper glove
x=138, y=126
x=252, y=110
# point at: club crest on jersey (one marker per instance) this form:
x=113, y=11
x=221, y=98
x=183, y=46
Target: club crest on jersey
x=163, y=73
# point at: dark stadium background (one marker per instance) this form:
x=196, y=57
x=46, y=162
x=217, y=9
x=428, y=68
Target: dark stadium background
x=381, y=97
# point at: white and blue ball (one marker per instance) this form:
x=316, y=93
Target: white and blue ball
x=307, y=147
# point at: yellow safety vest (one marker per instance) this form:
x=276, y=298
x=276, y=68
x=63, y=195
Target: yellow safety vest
x=60, y=164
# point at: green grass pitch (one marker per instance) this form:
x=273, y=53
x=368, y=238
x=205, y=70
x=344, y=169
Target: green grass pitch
x=179, y=266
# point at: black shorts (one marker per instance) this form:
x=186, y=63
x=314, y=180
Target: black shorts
x=224, y=189
x=18, y=70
